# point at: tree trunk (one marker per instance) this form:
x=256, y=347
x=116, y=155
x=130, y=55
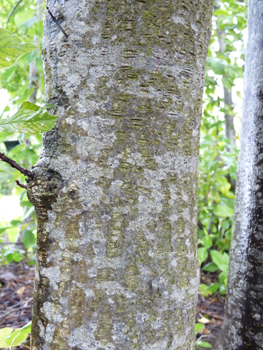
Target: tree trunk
x=115, y=188
x=243, y=326
x=229, y=119
x=228, y=102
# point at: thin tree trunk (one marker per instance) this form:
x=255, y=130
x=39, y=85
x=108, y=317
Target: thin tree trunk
x=229, y=119
x=243, y=326
x=115, y=188
x=228, y=102
x=33, y=74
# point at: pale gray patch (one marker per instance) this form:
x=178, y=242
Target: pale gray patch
x=56, y=234
x=48, y=310
x=69, y=120
x=161, y=345
x=58, y=318
x=178, y=342
x=118, y=331
x=41, y=329
x=141, y=317
x=157, y=324
x=50, y=329
x=89, y=293
x=62, y=245
x=52, y=215
x=55, y=256
x=53, y=274
x=92, y=272
x=63, y=301
x=111, y=287
x=129, y=295
x=77, y=257
x=165, y=295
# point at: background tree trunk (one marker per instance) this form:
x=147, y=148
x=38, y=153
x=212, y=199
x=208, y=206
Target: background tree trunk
x=243, y=326
x=228, y=102
x=115, y=188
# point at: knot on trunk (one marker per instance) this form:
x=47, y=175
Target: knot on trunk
x=43, y=190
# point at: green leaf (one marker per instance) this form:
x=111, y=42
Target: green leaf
x=216, y=196
x=29, y=119
x=198, y=327
x=228, y=234
x=25, y=204
x=210, y=267
x=203, y=344
x=225, y=189
x=22, y=17
x=207, y=242
x=223, y=211
x=27, y=327
x=11, y=48
x=28, y=238
x=15, y=222
x=10, y=337
x=203, y=290
x=230, y=195
x=3, y=229
x=202, y=254
x=13, y=255
x=216, y=65
x=32, y=261
x=17, y=337
x=222, y=289
x=30, y=106
x=223, y=277
x=213, y=287
x=4, y=333
x=221, y=260
x=220, y=12
x=48, y=105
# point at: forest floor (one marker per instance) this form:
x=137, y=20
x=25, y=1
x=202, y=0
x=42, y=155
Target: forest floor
x=16, y=297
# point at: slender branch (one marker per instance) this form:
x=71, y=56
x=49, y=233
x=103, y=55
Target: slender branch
x=20, y=185
x=11, y=13
x=13, y=164
x=16, y=243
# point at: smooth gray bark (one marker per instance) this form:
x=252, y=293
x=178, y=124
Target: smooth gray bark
x=229, y=120
x=115, y=188
x=243, y=326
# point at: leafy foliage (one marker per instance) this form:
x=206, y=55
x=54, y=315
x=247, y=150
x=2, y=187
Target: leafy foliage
x=203, y=344
x=11, y=48
x=218, y=158
x=24, y=80
x=29, y=119
x=199, y=342
x=10, y=338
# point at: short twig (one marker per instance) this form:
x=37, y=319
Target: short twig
x=13, y=164
x=16, y=243
x=57, y=23
x=20, y=185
